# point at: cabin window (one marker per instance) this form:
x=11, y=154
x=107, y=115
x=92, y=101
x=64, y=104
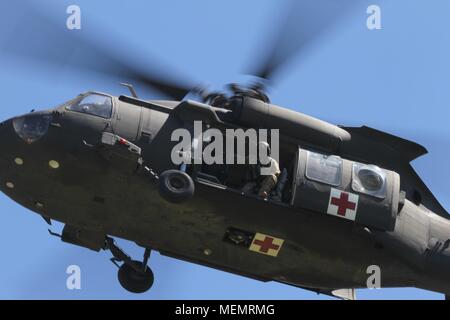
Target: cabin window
x=369, y=179
x=324, y=168
x=94, y=104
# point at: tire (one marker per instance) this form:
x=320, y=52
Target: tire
x=176, y=186
x=135, y=281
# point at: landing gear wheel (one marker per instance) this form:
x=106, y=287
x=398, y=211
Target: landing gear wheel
x=133, y=280
x=176, y=186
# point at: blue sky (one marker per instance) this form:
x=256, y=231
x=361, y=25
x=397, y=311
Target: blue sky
x=396, y=79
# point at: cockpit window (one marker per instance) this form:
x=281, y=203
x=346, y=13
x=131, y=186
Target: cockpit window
x=323, y=168
x=94, y=104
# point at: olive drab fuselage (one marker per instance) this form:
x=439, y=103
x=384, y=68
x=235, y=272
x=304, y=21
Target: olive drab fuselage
x=96, y=162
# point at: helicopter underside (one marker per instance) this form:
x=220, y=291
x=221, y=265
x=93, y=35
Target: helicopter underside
x=317, y=252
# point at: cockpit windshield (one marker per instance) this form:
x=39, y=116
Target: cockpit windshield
x=94, y=104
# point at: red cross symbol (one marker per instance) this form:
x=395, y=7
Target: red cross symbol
x=343, y=204
x=266, y=245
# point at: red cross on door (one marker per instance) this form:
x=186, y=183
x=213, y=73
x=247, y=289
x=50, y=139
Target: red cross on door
x=343, y=204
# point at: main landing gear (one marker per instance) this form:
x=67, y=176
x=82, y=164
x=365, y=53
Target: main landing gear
x=134, y=276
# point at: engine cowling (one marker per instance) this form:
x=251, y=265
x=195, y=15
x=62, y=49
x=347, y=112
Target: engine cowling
x=252, y=112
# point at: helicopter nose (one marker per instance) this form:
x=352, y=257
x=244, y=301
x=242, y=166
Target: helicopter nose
x=18, y=142
x=32, y=127
x=18, y=133
x=8, y=154
x=8, y=140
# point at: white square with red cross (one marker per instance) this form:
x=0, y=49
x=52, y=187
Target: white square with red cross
x=343, y=204
x=265, y=244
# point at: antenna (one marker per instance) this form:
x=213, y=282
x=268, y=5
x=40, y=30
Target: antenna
x=131, y=88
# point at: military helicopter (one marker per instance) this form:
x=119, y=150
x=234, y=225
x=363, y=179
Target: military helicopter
x=102, y=166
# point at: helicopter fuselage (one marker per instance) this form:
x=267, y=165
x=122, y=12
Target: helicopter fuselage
x=62, y=174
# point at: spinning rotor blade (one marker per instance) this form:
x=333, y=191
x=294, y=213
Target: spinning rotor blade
x=36, y=37
x=299, y=27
